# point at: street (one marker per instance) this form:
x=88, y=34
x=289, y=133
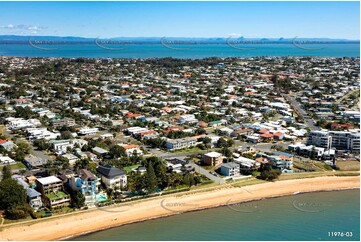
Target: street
x=310, y=123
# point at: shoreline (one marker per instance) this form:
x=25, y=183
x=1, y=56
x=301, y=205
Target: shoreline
x=76, y=225
x=201, y=209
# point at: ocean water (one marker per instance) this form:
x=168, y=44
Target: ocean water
x=178, y=51
x=310, y=216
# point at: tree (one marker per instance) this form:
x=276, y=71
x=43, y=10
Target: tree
x=18, y=212
x=24, y=147
x=188, y=179
x=11, y=194
x=117, y=151
x=270, y=175
x=41, y=144
x=77, y=199
x=6, y=172
x=207, y=142
x=150, y=179
x=66, y=135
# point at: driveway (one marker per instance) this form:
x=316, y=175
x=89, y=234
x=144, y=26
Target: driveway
x=207, y=174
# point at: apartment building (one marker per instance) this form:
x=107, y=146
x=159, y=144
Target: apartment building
x=67, y=122
x=176, y=144
x=230, y=169
x=340, y=140
x=319, y=139
x=51, y=189
x=212, y=158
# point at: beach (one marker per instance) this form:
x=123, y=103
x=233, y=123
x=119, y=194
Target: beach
x=106, y=217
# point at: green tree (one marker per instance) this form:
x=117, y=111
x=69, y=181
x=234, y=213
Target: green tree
x=41, y=144
x=150, y=179
x=270, y=175
x=77, y=199
x=117, y=151
x=11, y=194
x=188, y=179
x=6, y=172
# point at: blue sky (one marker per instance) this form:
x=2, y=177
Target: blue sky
x=182, y=19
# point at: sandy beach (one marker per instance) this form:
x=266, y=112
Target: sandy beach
x=101, y=218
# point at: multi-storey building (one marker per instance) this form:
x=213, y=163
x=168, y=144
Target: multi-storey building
x=68, y=122
x=87, y=183
x=112, y=177
x=320, y=138
x=340, y=140
x=176, y=144
x=230, y=169
x=51, y=189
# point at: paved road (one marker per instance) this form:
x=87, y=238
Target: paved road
x=297, y=107
x=206, y=173
x=37, y=153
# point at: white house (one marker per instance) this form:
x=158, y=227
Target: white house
x=112, y=177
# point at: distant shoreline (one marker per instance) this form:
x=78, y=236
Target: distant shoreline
x=97, y=220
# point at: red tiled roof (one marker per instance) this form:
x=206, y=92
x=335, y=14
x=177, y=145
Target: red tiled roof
x=263, y=131
x=266, y=135
x=131, y=146
x=2, y=141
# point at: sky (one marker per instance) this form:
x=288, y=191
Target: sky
x=182, y=19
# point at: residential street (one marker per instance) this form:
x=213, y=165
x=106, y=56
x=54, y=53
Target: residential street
x=309, y=122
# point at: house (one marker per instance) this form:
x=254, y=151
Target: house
x=187, y=119
x=78, y=153
x=6, y=145
x=266, y=137
x=286, y=160
x=41, y=133
x=132, y=149
x=33, y=197
x=225, y=131
x=112, y=177
x=175, y=144
x=88, y=131
x=91, y=156
x=253, y=138
x=87, y=184
x=246, y=163
x=147, y=134
x=213, y=158
x=135, y=130
x=107, y=136
x=51, y=189
x=230, y=169
x=99, y=151
x=278, y=136
x=71, y=158
x=217, y=123
x=6, y=160
x=33, y=161
x=61, y=146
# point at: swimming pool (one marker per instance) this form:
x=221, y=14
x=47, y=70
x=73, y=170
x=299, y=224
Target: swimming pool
x=101, y=198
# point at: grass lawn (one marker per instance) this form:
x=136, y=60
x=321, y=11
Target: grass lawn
x=352, y=165
x=17, y=165
x=58, y=195
x=130, y=168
